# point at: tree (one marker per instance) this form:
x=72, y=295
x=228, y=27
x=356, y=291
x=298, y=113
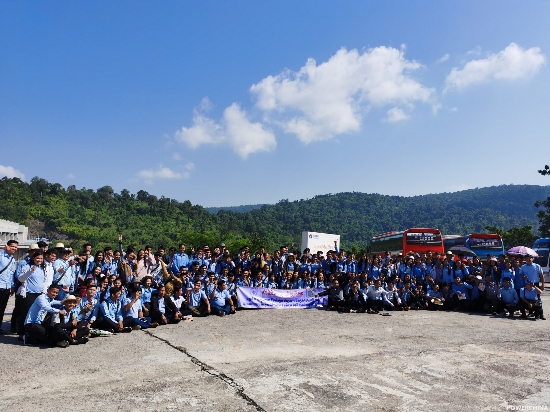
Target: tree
x=516, y=236
x=545, y=171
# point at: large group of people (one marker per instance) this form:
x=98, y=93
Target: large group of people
x=64, y=297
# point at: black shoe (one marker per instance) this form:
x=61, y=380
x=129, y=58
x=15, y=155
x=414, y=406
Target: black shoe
x=62, y=344
x=83, y=340
x=126, y=329
x=542, y=318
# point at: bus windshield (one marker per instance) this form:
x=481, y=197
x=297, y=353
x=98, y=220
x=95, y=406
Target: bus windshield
x=424, y=238
x=543, y=257
x=485, y=243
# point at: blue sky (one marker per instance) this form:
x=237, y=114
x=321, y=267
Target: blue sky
x=239, y=102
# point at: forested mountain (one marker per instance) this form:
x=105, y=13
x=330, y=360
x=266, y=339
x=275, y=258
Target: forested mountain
x=236, y=209
x=98, y=216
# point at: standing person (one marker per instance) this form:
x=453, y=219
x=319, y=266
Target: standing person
x=533, y=272
x=32, y=277
x=180, y=259
x=64, y=275
x=7, y=271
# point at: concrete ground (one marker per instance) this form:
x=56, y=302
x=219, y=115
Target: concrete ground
x=291, y=360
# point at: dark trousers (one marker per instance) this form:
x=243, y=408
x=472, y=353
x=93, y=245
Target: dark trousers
x=502, y=306
x=375, y=304
x=536, y=310
x=108, y=324
x=26, y=304
x=36, y=333
x=4, y=297
x=336, y=303
x=462, y=304
x=199, y=310
x=16, y=313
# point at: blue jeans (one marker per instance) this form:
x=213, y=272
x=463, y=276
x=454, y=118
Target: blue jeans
x=217, y=309
x=143, y=323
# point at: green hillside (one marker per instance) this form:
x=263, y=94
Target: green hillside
x=97, y=216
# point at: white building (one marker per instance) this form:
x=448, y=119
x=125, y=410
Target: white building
x=15, y=231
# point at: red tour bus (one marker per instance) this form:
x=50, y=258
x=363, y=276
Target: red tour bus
x=417, y=240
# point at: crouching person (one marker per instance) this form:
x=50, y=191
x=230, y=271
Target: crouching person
x=530, y=301
x=434, y=299
x=69, y=327
x=38, y=323
x=221, y=303
x=355, y=300
x=133, y=309
x=111, y=310
x=197, y=301
x=391, y=298
x=507, y=299
x=162, y=309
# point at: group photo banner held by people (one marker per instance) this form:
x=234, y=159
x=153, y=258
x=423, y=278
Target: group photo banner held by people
x=264, y=298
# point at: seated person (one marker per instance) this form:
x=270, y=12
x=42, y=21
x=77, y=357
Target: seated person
x=111, y=310
x=335, y=296
x=391, y=298
x=197, y=301
x=355, y=300
x=38, y=323
x=162, y=309
x=507, y=299
x=88, y=309
x=133, y=309
x=69, y=327
x=460, y=294
x=375, y=297
x=530, y=300
x=434, y=299
x=220, y=300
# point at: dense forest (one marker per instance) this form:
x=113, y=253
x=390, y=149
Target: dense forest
x=98, y=216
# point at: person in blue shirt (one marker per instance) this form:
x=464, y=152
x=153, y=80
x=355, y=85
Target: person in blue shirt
x=533, y=272
x=163, y=310
x=180, y=259
x=133, y=308
x=7, y=272
x=111, y=310
x=38, y=326
x=461, y=295
x=434, y=299
x=88, y=309
x=197, y=301
x=530, y=301
x=147, y=292
x=507, y=299
x=221, y=303
x=69, y=328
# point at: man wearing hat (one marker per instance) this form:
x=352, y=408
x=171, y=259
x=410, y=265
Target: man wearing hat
x=64, y=275
x=7, y=270
x=69, y=328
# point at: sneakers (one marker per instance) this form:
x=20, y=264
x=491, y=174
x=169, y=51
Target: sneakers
x=83, y=340
x=136, y=327
x=62, y=344
x=126, y=329
x=352, y=311
x=221, y=314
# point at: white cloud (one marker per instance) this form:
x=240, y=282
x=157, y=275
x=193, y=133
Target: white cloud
x=246, y=137
x=511, y=63
x=148, y=175
x=444, y=58
x=10, y=172
x=396, y=114
x=190, y=166
x=234, y=129
x=321, y=101
x=70, y=176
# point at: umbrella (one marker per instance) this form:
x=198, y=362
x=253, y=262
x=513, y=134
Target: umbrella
x=522, y=251
x=461, y=249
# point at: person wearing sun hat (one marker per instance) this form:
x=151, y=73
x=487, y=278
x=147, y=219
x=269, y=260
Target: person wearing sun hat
x=69, y=327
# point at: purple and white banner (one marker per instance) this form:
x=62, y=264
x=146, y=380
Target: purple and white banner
x=263, y=298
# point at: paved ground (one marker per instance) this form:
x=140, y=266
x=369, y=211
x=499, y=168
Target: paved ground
x=292, y=360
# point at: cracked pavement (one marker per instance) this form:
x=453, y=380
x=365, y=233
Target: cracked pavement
x=295, y=360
